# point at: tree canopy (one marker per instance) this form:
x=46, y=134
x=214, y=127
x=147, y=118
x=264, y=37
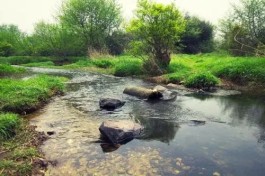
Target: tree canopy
x=93, y=20
x=157, y=27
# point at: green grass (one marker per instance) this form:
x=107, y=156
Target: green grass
x=240, y=70
x=8, y=125
x=39, y=64
x=6, y=69
x=119, y=66
x=201, y=80
x=20, y=150
x=26, y=95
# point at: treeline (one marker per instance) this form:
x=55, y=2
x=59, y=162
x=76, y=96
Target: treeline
x=87, y=26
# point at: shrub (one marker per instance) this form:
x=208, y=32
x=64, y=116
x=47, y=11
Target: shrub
x=201, y=80
x=8, y=124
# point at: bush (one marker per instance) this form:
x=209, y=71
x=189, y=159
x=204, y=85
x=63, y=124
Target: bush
x=128, y=68
x=8, y=124
x=201, y=80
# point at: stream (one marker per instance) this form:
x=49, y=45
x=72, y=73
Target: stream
x=231, y=142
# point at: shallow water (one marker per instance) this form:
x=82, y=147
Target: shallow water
x=231, y=142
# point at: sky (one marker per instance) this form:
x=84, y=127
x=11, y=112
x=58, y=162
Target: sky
x=25, y=13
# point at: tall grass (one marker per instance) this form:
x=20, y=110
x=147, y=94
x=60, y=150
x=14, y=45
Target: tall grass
x=8, y=124
x=26, y=95
x=236, y=69
x=6, y=69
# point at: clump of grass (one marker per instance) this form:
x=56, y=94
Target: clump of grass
x=128, y=67
x=8, y=125
x=6, y=69
x=242, y=70
x=201, y=80
x=39, y=64
x=102, y=63
x=26, y=95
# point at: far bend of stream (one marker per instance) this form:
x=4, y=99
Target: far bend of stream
x=230, y=143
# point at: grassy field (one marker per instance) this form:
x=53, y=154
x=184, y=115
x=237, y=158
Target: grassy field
x=198, y=71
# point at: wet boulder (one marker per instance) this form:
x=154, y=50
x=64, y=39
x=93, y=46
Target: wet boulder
x=143, y=93
x=110, y=104
x=120, y=132
x=167, y=95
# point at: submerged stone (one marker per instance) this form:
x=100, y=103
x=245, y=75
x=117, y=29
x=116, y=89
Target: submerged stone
x=120, y=132
x=110, y=104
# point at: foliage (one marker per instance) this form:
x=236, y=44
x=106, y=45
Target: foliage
x=157, y=27
x=93, y=20
x=117, y=42
x=56, y=40
x=26, y=95
x=6, y=49
x=8, y=124
x=201, y=80
x=243, y=30
x=198, y=36
x=11, y=40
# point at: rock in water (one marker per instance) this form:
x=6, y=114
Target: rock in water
x=120, y=132
x=110, y=104
x=143, y=93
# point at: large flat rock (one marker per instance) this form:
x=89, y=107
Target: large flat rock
x=120, y=132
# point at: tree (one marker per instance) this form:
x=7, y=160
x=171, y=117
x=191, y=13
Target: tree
x=198, y=36
x=156, y=28
x=244, y=29
x=55, y=40
x=11, y=40
x=93, y=20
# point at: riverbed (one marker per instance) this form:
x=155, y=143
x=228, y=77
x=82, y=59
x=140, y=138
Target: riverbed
x=230, y=142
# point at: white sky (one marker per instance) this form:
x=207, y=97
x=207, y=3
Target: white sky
x=25, y=13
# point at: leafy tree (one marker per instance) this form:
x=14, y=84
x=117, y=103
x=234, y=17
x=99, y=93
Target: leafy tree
x=55, y=40
x=117, y=42
x=93, y=20
x=6, y=49
x=11, y=40
x=156, y=28
x=198, y=36
x=244, y=29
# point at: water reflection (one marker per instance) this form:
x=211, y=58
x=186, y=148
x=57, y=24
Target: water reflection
x=158, y=129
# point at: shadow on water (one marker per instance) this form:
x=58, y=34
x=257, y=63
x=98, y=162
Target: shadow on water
x=193, y=135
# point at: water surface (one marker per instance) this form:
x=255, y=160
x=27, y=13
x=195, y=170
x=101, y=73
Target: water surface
x=231, y=142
